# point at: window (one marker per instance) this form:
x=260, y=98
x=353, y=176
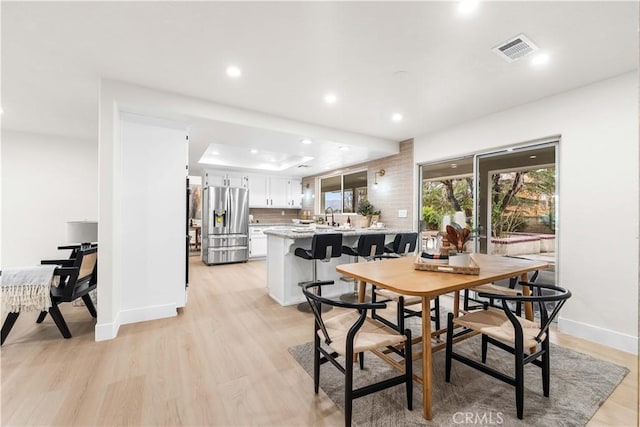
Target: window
x=343, y=193
x=447, y=187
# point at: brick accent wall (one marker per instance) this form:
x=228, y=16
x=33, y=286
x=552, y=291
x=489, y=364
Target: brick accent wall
x=395, y=189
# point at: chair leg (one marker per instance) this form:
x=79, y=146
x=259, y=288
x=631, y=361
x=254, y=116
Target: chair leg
x=54, y=311
x=401, y=314
x=41, y=317
x=92, y=308
x=519, y=379
x=485, y=345
x=436, y=307
x=408, y=369
x=8, y=324
x=373, y=300
x=449, y=349
x=466, y=300
x=545, y=367
x=361, y=359
x=316, y=363
x=348, y=388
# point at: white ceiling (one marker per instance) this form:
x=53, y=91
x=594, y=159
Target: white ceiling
x=293, y=53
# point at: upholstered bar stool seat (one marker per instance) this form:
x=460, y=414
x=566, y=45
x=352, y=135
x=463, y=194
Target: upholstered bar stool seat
x=369, y=247
x=323, y=247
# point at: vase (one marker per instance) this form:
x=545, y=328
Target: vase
x=461, y=259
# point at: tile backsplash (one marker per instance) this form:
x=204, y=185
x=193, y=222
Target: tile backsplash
x=269, y=215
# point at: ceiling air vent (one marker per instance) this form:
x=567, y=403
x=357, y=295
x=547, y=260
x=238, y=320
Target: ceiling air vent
x=515, y=48
x=303, y=166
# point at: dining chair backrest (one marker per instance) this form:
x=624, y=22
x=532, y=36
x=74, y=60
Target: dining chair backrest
x=326, y=246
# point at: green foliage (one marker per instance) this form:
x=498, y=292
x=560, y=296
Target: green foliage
x=431, y=217
x=508, y=220
x=365, y=208
x=445, y=197
x=516, y=196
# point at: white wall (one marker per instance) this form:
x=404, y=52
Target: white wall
x=117, y=304
x=152, y=218
x=598, y=190
x=46, y=181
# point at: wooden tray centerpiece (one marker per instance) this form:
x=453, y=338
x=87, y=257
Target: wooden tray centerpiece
x=442, y=267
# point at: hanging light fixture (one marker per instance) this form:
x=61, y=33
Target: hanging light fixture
x=381, y=172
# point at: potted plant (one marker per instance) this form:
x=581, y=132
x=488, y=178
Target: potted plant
x=458, y=237
x=367, y=210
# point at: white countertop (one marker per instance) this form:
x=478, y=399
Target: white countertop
x=306, y=232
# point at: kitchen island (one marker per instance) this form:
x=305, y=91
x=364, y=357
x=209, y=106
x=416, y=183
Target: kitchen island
x=285, y=270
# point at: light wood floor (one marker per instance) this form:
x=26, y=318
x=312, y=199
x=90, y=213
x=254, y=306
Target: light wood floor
x=222, y=361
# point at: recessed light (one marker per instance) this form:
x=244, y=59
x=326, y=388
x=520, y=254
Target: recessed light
x=215, y=153
x=467, y=6
x=330, y=98
x=397, y=117
x=306, y=141
x=344, y=148
x=453, y=165
x=254, y=151
x=532, y=157
x=233, y=71
x=540, y=59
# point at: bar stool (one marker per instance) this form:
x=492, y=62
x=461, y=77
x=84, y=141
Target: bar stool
x=323, y=247
x=369, y=247
x=403, y=244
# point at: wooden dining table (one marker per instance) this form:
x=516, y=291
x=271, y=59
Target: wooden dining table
x=399, y=275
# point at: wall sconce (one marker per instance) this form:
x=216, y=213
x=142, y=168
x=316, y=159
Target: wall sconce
x=381, y=172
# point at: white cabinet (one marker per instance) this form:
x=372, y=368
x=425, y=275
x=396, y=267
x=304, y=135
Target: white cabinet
x=295, y=193
x=219, y=178
x=279, y=192
x=258, y=191
x=237, y=180
x=257, y=242
x=274, y=192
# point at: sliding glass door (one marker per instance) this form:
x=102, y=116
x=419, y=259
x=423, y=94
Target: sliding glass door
x=507, y=197
x=516, y=204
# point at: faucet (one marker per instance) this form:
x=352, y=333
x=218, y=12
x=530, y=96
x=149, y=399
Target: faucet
x=333, y=222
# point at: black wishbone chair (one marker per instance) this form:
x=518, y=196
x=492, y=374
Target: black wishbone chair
x=491, y=288
x=404, y=244
x=505, y=330
x=350, y=333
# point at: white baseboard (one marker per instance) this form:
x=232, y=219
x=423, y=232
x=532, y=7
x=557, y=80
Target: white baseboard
x=147, y=313
x=107, y=331
x=599, y=335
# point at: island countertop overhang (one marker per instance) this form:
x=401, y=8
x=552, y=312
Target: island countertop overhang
x=305, y=234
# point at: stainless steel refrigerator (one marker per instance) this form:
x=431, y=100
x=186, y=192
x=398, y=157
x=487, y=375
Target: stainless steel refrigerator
x=225, y=225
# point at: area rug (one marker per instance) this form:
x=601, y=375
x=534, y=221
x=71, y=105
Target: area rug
x=579, y=385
